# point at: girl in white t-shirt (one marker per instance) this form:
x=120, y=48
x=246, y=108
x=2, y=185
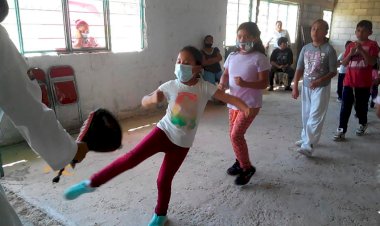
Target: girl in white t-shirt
x=246, y=72
x=187, y=97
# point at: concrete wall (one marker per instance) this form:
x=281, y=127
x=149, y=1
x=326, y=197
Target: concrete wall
x=119, y=81
x=347, y=14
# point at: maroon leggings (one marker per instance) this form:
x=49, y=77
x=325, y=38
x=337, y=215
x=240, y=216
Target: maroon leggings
x=156, y=141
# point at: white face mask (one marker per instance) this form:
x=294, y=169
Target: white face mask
x=84, y=35
x=245, y=46
x=183, y=72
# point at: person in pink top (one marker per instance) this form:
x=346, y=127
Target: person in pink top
x=246, y=73
x=359, y=58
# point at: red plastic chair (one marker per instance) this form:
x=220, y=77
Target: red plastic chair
x=40, y=76
x=64, y=88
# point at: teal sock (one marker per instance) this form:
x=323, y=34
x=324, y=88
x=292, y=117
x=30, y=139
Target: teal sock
x=158, y=220
x=76, y=190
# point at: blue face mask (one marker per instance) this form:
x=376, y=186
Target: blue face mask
x=245, y=46
x=183, y=72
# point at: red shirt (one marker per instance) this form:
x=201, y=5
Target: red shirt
x=359, y=74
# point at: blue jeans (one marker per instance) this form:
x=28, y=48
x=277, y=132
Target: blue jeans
x=212, y=77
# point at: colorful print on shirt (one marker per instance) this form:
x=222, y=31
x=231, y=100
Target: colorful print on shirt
x=313, y=62
x=184, y=111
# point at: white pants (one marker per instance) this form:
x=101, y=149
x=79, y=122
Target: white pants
x=8, y=216
x=314, y=108
x=20, y=99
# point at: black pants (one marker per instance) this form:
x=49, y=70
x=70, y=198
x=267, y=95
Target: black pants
x=339, y=89
x=288, y=70
x=359, y=98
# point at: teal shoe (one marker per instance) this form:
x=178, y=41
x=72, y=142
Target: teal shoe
x=77, y=189
x=158, y=220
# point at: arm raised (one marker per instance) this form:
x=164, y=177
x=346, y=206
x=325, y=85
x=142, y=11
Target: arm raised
x=261, y=83
x=152, y=99
x=227, y=98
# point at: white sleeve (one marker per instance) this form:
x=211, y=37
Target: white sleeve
x=20, y=101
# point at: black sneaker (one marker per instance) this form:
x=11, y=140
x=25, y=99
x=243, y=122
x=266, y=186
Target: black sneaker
x=235, y=169
x=288, y=88
x=245, y=176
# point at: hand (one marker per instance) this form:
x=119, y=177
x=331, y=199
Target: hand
x=159, y=96
x=239, y=81
x=314, y=84
x=81, y=152
x=248, y=112
x=221, y=86
x=359, y=47
x=295, y=92
x=376, y=81
x=353, y=51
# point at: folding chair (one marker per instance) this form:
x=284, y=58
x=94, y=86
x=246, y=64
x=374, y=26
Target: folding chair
x=64, y=90
x=281, y=78
x=40, y=76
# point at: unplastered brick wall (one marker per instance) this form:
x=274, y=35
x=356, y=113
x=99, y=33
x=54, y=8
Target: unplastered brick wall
x=347, y=13
x=309, y=12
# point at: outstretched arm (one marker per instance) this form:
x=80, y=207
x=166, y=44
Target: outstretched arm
x=227, y=98
x=261, y=83
x=223, y=84
x=152, y=99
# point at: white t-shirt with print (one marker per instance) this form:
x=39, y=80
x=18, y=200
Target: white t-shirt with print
x=185, y=107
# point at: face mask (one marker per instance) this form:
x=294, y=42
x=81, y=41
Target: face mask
x=208, y=45
x=183, y=72
x=245, y=46
x=84, y=35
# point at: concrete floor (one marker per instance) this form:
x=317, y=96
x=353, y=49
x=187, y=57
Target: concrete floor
x=338, y=186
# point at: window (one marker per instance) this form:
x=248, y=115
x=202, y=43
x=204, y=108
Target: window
x=238, y=11
x=75, y=25
x=270, y=12
x=327, y=16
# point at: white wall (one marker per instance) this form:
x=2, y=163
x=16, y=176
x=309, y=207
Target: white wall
x=119, y=81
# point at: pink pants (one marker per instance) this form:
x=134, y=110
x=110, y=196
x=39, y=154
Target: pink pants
x=156, y=141
x=238, y=126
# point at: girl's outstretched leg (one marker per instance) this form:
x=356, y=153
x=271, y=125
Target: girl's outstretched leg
x=155, y=141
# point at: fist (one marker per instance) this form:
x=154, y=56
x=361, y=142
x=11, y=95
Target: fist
x=239, y=81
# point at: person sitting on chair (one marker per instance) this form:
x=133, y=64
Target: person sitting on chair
x=281, y=60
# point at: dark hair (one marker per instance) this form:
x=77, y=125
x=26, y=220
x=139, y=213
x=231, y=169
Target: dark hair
x=282, y=40
x=254, y=31
x=347, y=43
x=4, y=9
x=279, y=22
x=195, y=53
x=366, y=24
x=323, y=22
x=207, y=36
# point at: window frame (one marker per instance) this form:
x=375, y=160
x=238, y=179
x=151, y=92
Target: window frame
x=271, y=26
x=329, y=22
x=255, y=12
x=68, y=34
x=237, y=21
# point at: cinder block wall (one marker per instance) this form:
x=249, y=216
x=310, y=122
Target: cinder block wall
x=347, y=14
